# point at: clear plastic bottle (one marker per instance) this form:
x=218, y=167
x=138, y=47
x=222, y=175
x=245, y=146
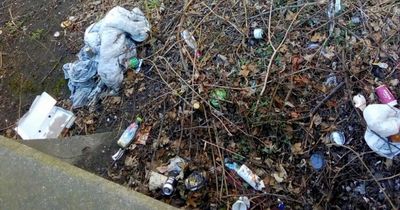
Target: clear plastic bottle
x=127, y=138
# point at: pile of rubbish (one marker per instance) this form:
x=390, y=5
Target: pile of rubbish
x=109, y=47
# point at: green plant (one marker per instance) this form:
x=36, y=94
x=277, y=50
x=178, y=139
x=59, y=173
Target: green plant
x=13, y=27
x=153, y=4
x=37, y=34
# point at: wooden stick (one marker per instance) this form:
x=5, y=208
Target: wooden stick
x=326, y=98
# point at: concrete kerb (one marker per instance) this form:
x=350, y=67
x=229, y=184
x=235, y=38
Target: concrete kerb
x=30, y=179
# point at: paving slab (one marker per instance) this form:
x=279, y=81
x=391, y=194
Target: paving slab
x=30, y=179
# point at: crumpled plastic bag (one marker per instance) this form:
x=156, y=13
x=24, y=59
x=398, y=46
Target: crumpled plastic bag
x=381, y=145
x=109, y=43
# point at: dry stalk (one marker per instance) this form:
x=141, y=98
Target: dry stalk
x=275, y=51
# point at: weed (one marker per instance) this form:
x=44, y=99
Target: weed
x=37, y=34
x=153, y=4
x=13, y=27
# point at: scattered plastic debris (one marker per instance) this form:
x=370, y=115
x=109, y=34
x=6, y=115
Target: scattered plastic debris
x=385, y=96
x=135, y=64
x=246, y=174
x=356, y=20
x=195, y=181
x=338, y=6
x=176, y=165
x=191, y=42
x=331, y=81
x=381, y=65
x=360, y=188
x=383, y=121
x=57, y=34
x=109, y=43
x=313, y=46
x=243, y=203
x=126, y=138
x=281, y=205
x=44, y=120
x=258, y=33
x=156, y=180
x=338, y=137
x=317, y=161
x=218, y=95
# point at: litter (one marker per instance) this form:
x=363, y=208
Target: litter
x=195, y=181
x=317, y=161
x=176, y=165
x=109, y=44
x=383, y=122
x=169, y=186
x=218, y=95
x=355, y=20
x=126, y=138
x=243, y=203
x=337, y=137
x=381, y=65
x=156, y=180
x=246, y=174
x=281, y=205
x=44, y=120
x=385, y=96
x=135, y=64
x=331, y=81
x=57, y=34
x=191, y=42
x=258, y=33
x=338, y=6
x=313, y=46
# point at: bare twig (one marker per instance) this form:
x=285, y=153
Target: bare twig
x=370, y=172
x=327, y=98
x=52, y=69
x=276, y=50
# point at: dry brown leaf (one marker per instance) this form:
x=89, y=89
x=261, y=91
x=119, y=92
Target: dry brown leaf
x=317, y=37
x=115, y=100
x=143, y=135
x=297, y=149
x=296, y=61
x=281, y=175
x=294, y=115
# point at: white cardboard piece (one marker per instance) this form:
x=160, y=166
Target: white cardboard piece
x=44, y=120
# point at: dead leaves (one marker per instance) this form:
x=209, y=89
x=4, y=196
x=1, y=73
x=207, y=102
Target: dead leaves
x=280, y=175
x=297, y=149
x=247, y=70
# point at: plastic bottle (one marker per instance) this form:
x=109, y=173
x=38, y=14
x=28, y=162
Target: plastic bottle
x=127, y=138
x=191, y=42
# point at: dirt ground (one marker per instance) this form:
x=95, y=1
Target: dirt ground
x=285, y=94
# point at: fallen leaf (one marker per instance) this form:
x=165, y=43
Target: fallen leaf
x=281, y=175
x=294, y=115
x=328, y=52
x=247, y=69
x=308, y=57
x=301, y=80
x=297, y=149
x=317, y=37
x=317, y=119
x=296, y=61
x=143, y=135
x=116, y=100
